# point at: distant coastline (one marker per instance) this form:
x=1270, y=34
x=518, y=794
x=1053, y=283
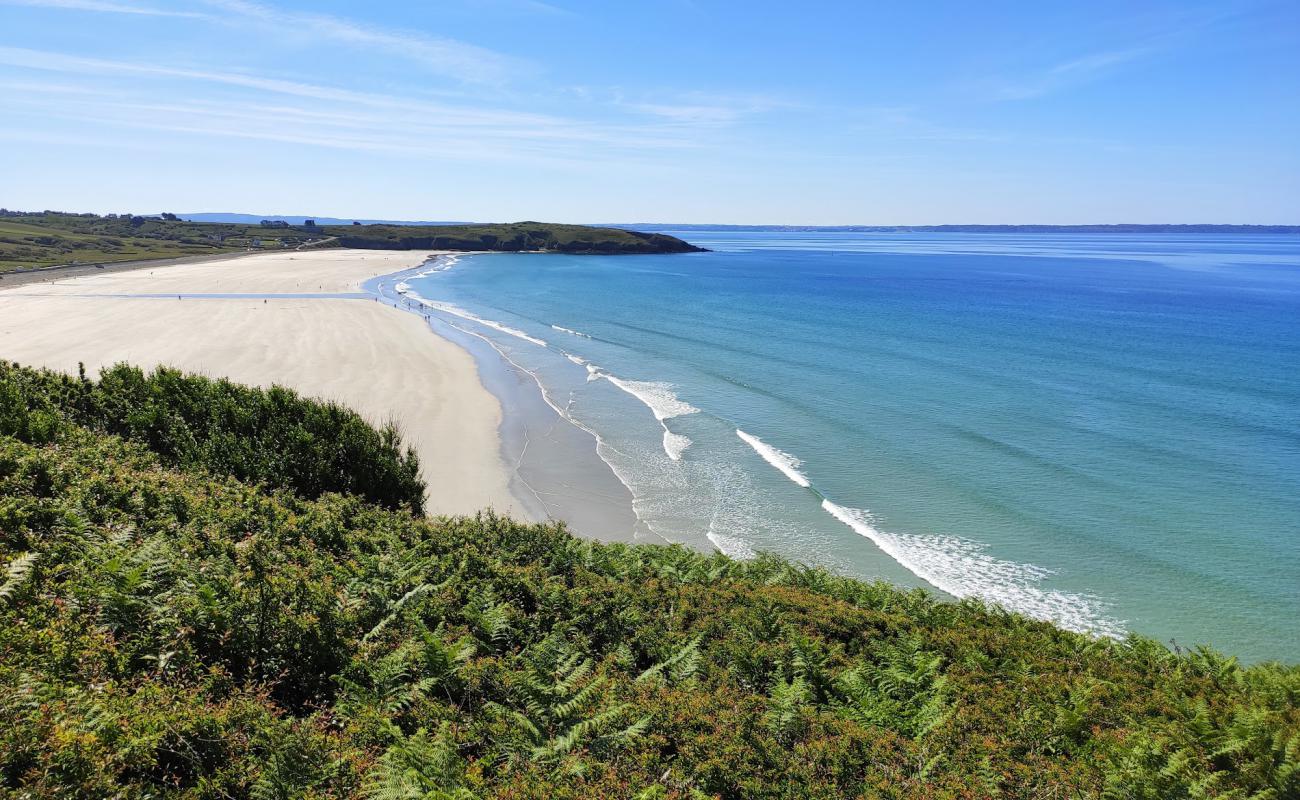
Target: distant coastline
x=1123, y=227
x=1116, y=228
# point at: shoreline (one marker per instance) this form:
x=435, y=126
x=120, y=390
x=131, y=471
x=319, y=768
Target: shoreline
x=557, y=473
x=301, y=323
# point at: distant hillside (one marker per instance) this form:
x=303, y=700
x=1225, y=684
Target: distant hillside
x=43, y=239
x=509, y=237
x=30, y=240
x=299, y=219
x=1120, y=228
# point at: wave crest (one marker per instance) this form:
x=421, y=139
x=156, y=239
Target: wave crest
x=570, y=331
x=783, y=461
x=963, y=568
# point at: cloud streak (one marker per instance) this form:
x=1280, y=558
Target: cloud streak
x=449, y=57
x=271, y=109
x=105, y=7
x=1069, y=73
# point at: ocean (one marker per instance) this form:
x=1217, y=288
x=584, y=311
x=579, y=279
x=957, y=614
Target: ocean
x=1098, y=429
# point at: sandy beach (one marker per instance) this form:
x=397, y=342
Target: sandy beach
x=382, y=362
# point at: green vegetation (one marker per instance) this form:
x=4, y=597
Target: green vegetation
x=51, y=238
x=167, y=630
x=513, y=237
x=265, y=437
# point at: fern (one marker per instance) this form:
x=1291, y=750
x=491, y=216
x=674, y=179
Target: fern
x=16, y=574
x=420, y=768
x=560, y=696
x=784, y=715
x=904, y=690
x=678, y=668
x=396, y=611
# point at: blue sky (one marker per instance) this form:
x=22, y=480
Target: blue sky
x=668, y=111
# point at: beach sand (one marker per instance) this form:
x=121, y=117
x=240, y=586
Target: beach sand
x=384, y=363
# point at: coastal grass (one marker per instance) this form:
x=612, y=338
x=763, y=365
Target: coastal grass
x=185, y=627
x=34, y=240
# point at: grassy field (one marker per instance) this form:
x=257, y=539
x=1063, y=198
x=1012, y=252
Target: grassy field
x=52, y=239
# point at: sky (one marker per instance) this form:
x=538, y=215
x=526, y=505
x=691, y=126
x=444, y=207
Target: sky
x=687, y=111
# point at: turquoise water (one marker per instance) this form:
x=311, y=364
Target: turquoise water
x=1099, y=429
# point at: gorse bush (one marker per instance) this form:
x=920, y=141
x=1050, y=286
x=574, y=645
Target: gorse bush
x=170, y=631
x=259, y=436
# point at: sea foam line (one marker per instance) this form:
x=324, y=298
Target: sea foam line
x=601, y=445
x=963, y=568
x=457, y=311
x=783, y=461
x=960, y=567
x=663, y=402
x=658, y=396
x=570, y=331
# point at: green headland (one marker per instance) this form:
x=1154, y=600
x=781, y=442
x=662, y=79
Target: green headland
x=31, y=240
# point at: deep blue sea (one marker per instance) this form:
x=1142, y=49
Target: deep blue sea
x=1100, y=429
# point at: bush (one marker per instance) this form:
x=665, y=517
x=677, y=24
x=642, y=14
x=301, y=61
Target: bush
x=268, y=436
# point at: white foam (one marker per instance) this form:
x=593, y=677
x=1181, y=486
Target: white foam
x=442, y=263
x=457, y=311
x=570, y=331
x=963, y=568
x=730, y=545
x=663, y=402
x=579, y=360
x=658, y=396
x=675, y=444
x=786, y=463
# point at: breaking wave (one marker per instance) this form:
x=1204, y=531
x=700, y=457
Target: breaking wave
x=963, y=568
x=570, y=331
x=783, y=461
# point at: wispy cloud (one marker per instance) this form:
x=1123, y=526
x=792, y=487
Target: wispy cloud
x=1067, y=74
x=446, y=56
x=527, y=6
x=106, y=7
x=277, y=110
x=441, y=55
x=693, y=109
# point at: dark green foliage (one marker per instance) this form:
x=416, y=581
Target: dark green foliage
x=508, y=237
x=171, y=632
x=259, y=436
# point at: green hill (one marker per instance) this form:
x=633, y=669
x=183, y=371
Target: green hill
x=183, y=613
x=30, y=240
x=511, y=237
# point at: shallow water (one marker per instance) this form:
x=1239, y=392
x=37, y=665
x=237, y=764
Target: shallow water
x=1099, y=429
